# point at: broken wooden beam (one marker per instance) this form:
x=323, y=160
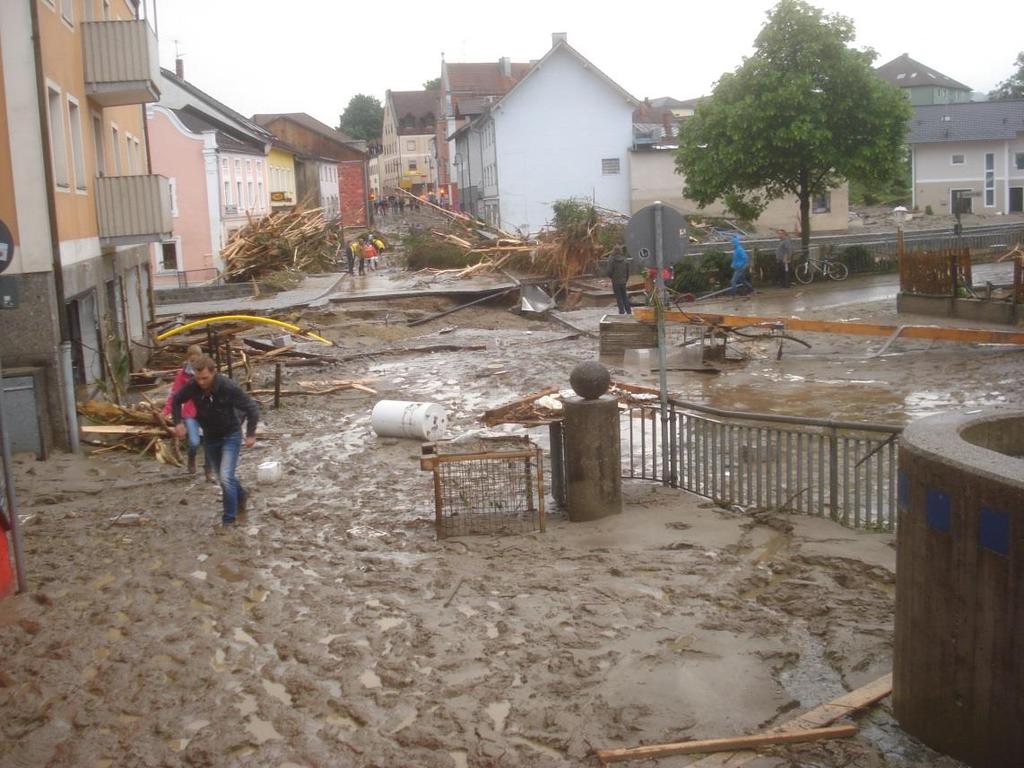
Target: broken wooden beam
x=725, y=745
x=925, y=332
x=819, y=717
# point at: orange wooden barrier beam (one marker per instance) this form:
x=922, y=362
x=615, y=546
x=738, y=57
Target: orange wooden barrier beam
x=928, y=332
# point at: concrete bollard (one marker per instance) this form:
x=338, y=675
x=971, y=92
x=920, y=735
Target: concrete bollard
x=593, y=469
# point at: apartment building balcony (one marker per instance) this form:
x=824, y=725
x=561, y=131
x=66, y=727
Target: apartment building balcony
x=122, y=64
x=133, y=209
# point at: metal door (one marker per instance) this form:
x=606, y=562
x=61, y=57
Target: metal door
x=21, y=415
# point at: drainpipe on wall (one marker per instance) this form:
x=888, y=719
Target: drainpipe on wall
x=65, y=374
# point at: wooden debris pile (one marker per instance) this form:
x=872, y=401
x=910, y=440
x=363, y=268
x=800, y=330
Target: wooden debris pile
x=302, y=240
x=570, y=249
x=140, y=428
x=545, y=406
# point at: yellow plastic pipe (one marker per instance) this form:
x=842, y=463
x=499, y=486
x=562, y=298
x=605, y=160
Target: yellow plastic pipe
x=243, y=318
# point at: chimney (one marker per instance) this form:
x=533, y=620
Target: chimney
x=179, y=67
x=559, y=37
x=506, y=66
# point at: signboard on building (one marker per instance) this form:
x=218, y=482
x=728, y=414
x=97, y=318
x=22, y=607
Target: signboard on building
x=280, y=197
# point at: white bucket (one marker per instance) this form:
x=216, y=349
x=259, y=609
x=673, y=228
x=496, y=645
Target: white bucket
x=269, y=472
x=419, y=421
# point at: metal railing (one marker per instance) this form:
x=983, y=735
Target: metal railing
x=842, y=470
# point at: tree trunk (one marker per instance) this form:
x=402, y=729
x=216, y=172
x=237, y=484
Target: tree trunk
x=805, y=215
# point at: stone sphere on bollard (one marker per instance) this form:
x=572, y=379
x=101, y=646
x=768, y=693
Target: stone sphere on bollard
x=590, y=380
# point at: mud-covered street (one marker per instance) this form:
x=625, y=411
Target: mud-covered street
x=333, y=629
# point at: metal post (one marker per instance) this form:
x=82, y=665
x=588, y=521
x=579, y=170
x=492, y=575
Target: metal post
x=277, y=385
x=557, y=464
x=231, y=368
x=659, y=308
x=833, y=473
x=10, y=502
x=68, y=380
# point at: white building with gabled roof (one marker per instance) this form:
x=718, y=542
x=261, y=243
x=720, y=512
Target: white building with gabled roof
x=563, y=130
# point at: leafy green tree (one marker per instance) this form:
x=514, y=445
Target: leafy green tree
x=799, y=116
x=363, y=118
x=432, y=85
x=1013, y=86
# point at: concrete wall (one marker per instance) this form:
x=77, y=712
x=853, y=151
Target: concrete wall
x=653, y=177
x=552, y=132
x=980, y=310
x=935, y=175
x=958, y=666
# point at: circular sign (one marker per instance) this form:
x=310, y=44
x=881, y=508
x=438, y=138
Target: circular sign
x=6, y=247
x=640, y=237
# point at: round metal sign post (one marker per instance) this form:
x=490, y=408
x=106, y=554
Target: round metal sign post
x=663, y=231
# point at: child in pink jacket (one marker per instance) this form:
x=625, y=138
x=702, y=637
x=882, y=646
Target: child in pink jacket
x=188, y=410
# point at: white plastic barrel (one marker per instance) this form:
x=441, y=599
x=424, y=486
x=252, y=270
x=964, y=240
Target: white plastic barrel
x=419, y=421
x=269, y=472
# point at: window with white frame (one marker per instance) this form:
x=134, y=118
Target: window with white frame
x=58, y=142
x=1019, y=161
x=609, y=166
x=239, y=201
x=172, y=183
x=115, y=146
x=67, y=11
x=225, y=178
x=957, y=159
x=410, y=145
x=260, y=202
x=250, y=200
x=822, y=203
x=990, y=179
x=169, y=256
x=97, y=140
x=77, y=145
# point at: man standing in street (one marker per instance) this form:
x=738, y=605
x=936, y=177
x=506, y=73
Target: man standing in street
x=218, y=401
x=618, y=271
x=784, y=256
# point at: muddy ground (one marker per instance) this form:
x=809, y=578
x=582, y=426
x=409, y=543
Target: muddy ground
x=333, y=629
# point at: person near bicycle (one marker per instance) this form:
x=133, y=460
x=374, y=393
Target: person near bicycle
x=740, y=263
x=784, y=257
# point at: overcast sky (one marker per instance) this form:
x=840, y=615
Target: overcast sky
x=314, y=55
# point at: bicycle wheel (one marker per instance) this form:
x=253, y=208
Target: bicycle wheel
x=804, y=272
x=836, y=270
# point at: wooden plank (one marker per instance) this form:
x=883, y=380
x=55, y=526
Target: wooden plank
x=927, y=332
x=122, y=429
x=819, y=717
x=722, y=745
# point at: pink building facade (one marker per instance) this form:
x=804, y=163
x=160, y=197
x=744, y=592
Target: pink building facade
x=183, y=157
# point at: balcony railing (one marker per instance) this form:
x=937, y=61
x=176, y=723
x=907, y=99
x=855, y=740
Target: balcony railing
x=133, y=209
x=122, y=63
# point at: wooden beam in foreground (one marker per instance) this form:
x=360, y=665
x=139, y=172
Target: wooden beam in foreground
x=724, y=745
x=819, y=717
x=928, y=332
x=815, y=722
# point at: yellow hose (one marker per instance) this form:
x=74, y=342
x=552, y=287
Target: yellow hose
x=244, y=318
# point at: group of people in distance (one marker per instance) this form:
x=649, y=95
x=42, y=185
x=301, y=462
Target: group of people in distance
x=365, y=250
x=619, y=269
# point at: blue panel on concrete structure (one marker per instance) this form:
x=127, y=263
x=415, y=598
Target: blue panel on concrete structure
x=938, y=511
x=994, y=530
x=902, y=490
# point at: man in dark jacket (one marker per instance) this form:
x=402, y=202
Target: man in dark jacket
x=618, y=271
x=218, y=401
